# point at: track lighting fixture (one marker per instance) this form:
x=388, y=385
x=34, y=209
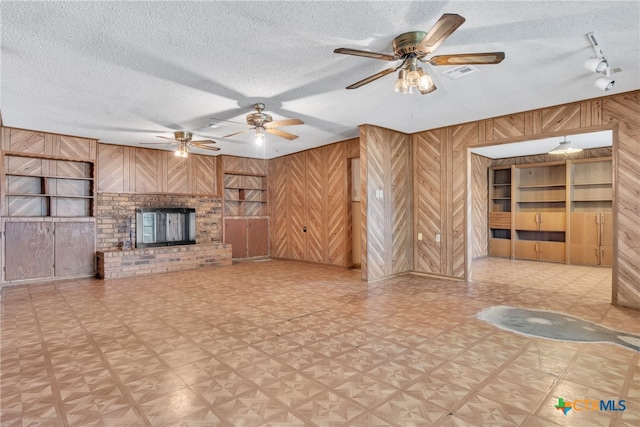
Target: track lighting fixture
x=599, y=64
x=565, y=147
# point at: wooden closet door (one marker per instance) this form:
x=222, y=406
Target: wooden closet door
x=28, y=250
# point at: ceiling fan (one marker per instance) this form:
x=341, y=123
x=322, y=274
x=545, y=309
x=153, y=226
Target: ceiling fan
x=415, y=46
x=262, y=122
x=184, y=140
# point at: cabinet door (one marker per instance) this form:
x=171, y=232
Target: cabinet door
x=74, y=248
x=235, y=234
x=258, y=237
x=552, y=251
x=552, y=221
x=584, y=238
x=526, y=249
x=500, y=247
x=526, y=221
x=28, y=250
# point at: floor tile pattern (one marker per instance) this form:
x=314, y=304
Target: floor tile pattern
x=278, y=343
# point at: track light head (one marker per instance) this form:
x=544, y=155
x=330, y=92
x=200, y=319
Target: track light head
x=605, y=83
x=596, y=65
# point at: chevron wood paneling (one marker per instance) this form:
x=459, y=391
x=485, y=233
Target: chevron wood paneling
x=364, y=204
x=400, y=204
x=176, y=174
x=147, y=174
x=427, y=196
x=24, y=141
x=479, y=205
x=310, y=190
x=624, y=110
x=204, y=175
x=337, y=199
x=563, y=117
x=111, y=170
x=388, y=221
x=256, y=166
x=316, y=205
x=296, y=188
x=509, y=126
x=278, y=206
x=463, y=136
x=76, y=148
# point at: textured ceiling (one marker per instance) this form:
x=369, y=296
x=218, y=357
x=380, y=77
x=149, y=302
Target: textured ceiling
x=125, y=72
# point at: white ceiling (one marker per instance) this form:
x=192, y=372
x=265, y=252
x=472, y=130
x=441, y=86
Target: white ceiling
x=125, y=72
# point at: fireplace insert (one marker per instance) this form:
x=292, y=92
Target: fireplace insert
x=165, y=227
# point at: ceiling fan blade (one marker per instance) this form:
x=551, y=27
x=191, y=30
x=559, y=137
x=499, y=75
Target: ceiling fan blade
x=447, y=24
x=166, y=137
x=281, y=134
x=468, y=58
x=236, y=133
x=365, y=53
x=285, y=122
x=215, y=119
x=197, y=144
x=203, y=141
x=371, y=78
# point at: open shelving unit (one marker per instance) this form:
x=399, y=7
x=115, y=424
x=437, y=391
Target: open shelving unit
x=47, y=187
x=500, y=211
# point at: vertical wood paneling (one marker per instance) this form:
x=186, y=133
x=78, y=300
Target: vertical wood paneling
x=376, y=218
x=399, y=184
x=364, y=204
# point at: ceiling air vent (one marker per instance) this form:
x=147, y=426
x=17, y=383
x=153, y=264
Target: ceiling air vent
x=460, y=71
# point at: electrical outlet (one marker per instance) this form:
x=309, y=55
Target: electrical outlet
x=437, y=238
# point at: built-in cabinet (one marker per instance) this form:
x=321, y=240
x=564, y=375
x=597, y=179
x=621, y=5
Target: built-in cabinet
x=245, y=205
x=38, y=186
x=591, y=198
x=556, y=211
x=47, y=205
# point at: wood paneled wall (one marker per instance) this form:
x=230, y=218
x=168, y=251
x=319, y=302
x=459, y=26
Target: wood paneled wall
x=48, y=144
x=442, y=166
x=124, y=169
x=309, y=191
x=388, y=195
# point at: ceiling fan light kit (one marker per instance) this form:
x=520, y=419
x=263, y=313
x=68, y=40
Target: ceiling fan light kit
x=599, y=64
x=414, y=46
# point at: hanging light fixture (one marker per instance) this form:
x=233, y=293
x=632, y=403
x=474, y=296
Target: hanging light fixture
x=259, y=134
x=413, y=76
x=565, y=147
x=182, y=150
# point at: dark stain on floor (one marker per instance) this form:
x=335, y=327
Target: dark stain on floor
x=555, y=326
